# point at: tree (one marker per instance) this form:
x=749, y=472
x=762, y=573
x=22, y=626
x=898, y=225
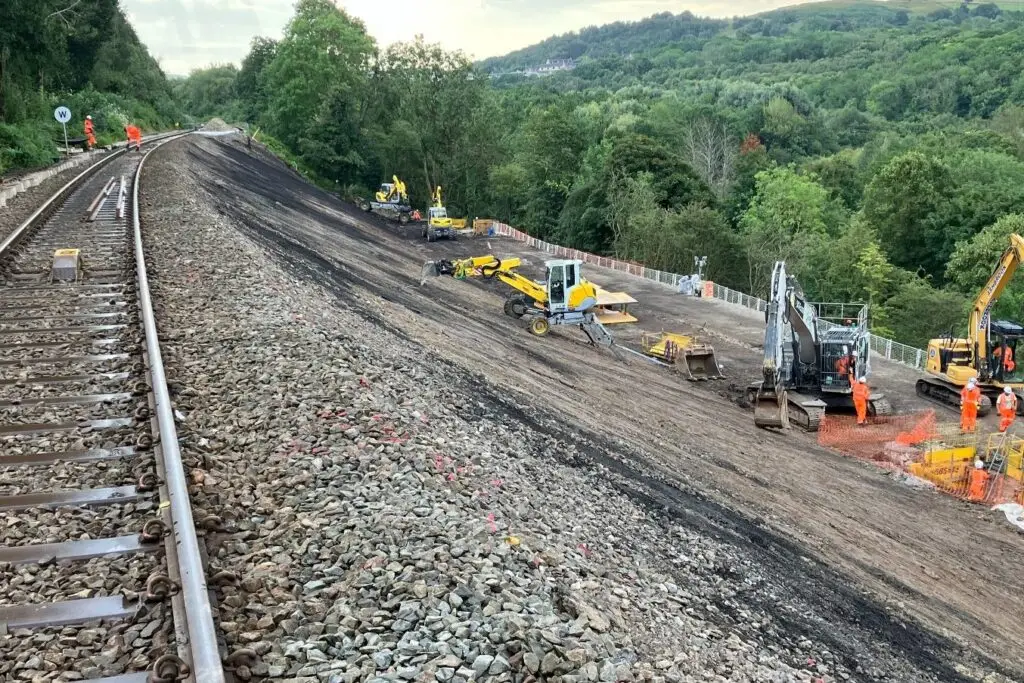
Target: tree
x=249, y=84
x=711, y=153
x=919, y=312
x=318, y=74
x=786, y=218
x=904, y=204
x=1009, y=122
x=974, y=261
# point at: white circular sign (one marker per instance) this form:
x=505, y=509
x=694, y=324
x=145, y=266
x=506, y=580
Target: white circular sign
x=62, y=114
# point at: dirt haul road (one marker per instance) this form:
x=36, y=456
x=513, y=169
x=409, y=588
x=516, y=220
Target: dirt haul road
x=876, y=570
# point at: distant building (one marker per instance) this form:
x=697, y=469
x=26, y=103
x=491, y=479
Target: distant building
x=551, y=66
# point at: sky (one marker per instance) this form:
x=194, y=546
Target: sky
x=190, y=34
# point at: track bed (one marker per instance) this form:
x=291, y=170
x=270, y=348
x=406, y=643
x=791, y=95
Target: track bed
x=872, y=568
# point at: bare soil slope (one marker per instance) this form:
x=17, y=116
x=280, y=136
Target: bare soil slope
x=909, y=581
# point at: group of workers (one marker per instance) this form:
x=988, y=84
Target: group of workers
x=970, y=402
x=131, y=132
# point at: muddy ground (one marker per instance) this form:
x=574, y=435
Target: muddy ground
x=867, y=563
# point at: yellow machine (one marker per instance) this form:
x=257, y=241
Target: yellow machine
x=696, y=358
x=438, y=223
x=392, y=193
x=952, y=361
x=390, y=201
x=563, y=298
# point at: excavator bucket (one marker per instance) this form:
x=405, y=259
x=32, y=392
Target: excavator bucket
x=771, y=409
x=700, y=362
x=430, y=269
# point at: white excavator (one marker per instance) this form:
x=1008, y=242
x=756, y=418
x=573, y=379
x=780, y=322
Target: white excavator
x=808, y=361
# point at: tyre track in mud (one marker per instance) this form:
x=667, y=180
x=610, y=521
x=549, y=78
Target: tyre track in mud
x=830, y=608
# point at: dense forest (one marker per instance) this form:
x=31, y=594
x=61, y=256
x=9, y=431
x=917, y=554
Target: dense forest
x=84, y=55
x=878, y=148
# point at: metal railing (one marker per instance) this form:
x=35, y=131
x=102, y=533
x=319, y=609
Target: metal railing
x=886, y=348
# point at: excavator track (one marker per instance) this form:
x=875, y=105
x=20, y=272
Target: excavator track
x=880, y=407
x=805, y=412
x=802, y=411
x=948, y=395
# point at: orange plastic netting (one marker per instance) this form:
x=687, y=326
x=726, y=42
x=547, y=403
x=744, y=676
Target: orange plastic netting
x=918, y=446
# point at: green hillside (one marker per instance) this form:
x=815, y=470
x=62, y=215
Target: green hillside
x=877, y=147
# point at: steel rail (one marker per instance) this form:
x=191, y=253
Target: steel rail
x=206, y=661
x=60, y=194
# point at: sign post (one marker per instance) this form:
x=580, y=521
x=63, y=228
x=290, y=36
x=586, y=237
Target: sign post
x=63, y=114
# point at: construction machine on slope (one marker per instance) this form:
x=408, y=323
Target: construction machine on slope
x=563, y=298
x=438, y=223
x=390, y=201
x=953, y=361
x=808, y=361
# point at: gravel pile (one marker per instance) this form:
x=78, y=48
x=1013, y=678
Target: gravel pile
x=217, y=125
x=385, y=522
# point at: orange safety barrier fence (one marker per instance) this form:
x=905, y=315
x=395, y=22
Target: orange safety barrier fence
x=917, y=446
x=869, y=442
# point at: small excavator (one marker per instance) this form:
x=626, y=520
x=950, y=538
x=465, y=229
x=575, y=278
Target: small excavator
x=563, y=298
x=438, y=223
x=390, y=201
x=952, y=361
x=808, y=362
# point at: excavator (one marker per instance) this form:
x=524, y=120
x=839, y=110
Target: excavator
x=390, y=200
x=952, y=361
x=563, y=298
x=808, y=362
x=438, y=223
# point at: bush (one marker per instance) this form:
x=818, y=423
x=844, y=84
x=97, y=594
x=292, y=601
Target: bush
x=26, y=146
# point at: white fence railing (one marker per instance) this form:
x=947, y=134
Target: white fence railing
x=886, y=348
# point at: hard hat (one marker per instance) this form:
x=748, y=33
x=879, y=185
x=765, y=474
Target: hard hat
x=1007, y=390
x=862, y=380
x=89, y=117
x=972, y=382
x=978, y=464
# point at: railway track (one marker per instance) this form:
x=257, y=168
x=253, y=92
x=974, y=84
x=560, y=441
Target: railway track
x=101, y=573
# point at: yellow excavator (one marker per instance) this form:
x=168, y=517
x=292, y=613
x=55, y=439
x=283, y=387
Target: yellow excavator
x=390, y=200
x=438, y=223
x=563, y=298
x=952, y=361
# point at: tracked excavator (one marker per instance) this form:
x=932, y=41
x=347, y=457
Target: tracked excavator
x=563, y=298
x=808, y=362
x=390, y=201
x=952, y=361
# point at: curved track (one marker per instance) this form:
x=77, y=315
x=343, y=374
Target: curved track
x=102, y=577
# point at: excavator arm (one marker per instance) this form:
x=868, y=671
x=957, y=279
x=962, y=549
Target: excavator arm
x=488, y=267
x=978, y=325
x=770, y=409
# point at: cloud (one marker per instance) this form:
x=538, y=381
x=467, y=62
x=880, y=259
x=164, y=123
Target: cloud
x=189, y=34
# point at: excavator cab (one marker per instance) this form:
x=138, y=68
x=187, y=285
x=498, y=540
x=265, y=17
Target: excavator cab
x=566, y=293
x=385, y=192
x=1004, y=338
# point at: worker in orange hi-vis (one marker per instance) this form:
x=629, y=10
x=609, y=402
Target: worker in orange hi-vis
x=136, y=137
x=1007, y=406
x=1003, y=354
x=846, y=365
x=977, y=482
x=970, y=401
x=90, y=132
x=861, y=393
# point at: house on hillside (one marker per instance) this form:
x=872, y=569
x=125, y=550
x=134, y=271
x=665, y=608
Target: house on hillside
x=551, y=66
